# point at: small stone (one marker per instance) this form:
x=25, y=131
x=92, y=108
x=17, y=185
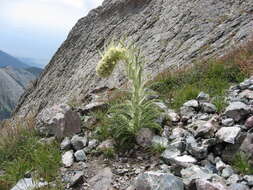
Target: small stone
x=220, y=165
x=169, y=154
x=202, y=184
x=107, y=144
x=203, y=97
x=76, y=178
x=79, y=142
x=246, y=84
x=144, y=137
x=195, y=149
x=234, y=179
x=248, y=94
x=249, y=123
x=28, y=183
x=66, y=144
x=68, y=158
x=238, y=186
x=187, y=113
x=192, y=103
x=160, y=141
x=208, y=107
x=228, y=122
x=183, y=161
x=228, y=134
x=91, y=145
x=156, y=180
x=80, y=155
x=178, y=132
x=237, y=111
x=249, y=179
x=173, y=116
x=247, y=147
x=227, y=172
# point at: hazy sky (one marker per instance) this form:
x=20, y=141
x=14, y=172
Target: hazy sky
x=36, y=28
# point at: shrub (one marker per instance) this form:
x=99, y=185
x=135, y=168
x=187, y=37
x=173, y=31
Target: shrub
x=126, y=119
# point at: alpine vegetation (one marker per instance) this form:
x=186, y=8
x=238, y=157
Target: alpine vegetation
x=127, y=118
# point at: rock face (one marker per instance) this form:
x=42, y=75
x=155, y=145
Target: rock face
x=170, y=34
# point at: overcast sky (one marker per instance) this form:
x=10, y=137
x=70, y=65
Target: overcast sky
x=36, y=28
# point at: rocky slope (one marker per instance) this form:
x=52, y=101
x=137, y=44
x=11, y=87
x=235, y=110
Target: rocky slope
x=200, y=148
x=13, y=82
x=170, y=33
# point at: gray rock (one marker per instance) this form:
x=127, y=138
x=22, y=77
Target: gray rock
x=93, y=106
x=195, y=172
x=202, y=184
x=59, y=121
x=249, y=179
x=248, y=94
x=237, y=111
x=144, y=137
x=107, y=144
x=246, y=84
x=207, y=129
x=208, y=107
x=91, y=145
x=206, y=185
x=80, y=155
x=228, y=122
x=249, y=123
x=169, y=154
x=159, y=141
x=192, y=103
x=187, y=113
x=68, y=158
x=228, y=134
x=235, y=178
x=247, y=147
x=182, y=161
x=102, y=180
x=203, y=97
x=220, y=165
x=227, y=172
x=28, y=184
x=195, y=149
x=66, y=144
x=178, y=132
x=156, y=180
x=79, y=142
x=173, y=116
x=238, y=186
x=77, y=178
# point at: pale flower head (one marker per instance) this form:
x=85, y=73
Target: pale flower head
x=112, y=55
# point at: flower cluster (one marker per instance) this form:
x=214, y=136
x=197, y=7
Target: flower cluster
x=112, y=55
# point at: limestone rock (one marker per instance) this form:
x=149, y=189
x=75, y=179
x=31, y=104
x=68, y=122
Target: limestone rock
x=58, y=120
x=237, y=111
x=228, y=134
x=157, y=180
x=68, y=158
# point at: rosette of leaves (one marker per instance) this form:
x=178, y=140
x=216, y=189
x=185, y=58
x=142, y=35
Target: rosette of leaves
x=126, y=119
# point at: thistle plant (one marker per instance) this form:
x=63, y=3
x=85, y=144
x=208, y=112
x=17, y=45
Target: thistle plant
x=127, y=118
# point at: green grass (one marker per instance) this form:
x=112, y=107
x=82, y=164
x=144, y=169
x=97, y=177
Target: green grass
x=212, y=77
x=241, y=164
x=22, y=153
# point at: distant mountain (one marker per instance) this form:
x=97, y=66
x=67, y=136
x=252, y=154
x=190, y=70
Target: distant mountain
x=41, y=63
x=8, y=60
x=13, y=82
x=15, y=76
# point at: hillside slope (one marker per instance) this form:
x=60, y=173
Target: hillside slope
x=170, y=33
x=8, y=60
x=13, y=82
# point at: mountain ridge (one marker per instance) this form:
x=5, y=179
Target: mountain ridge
x=171, y=34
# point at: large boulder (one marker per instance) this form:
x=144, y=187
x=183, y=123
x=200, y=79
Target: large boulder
x=59, y=121
x=160, y=181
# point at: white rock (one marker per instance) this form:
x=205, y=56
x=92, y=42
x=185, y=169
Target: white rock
x=228, y=134
x=68, y=158
x=28, y=184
